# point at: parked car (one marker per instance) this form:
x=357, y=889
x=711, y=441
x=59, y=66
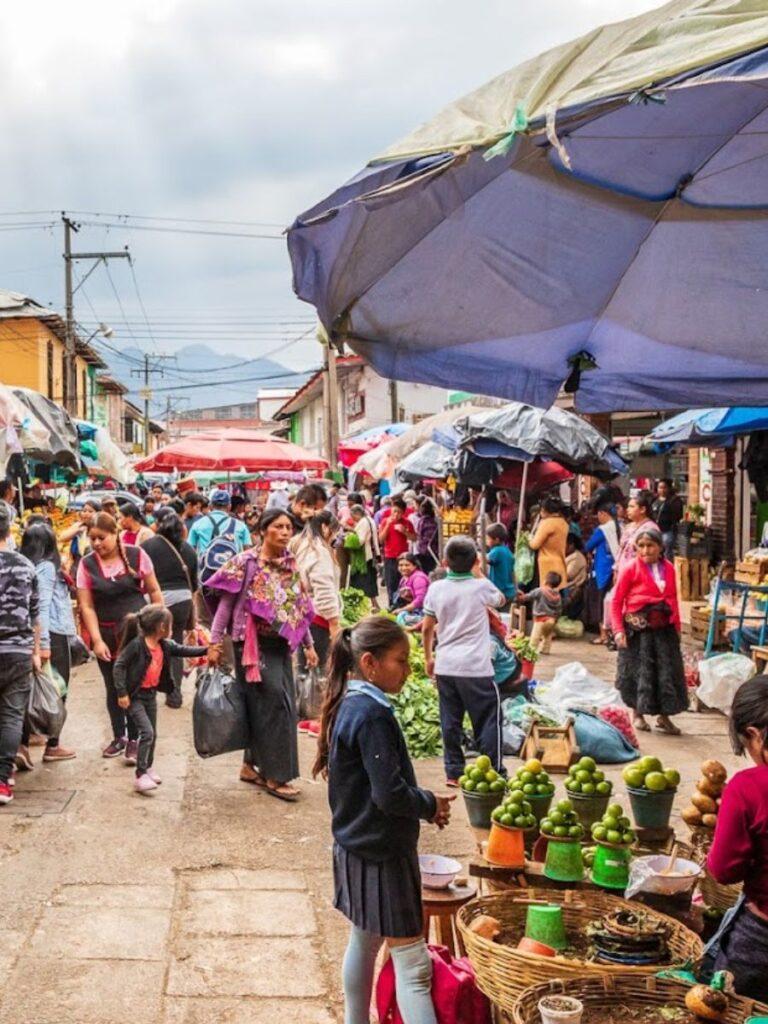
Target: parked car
x=100, y=495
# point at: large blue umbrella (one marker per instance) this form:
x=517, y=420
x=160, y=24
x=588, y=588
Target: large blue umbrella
x=597, y=216
x=711, y=427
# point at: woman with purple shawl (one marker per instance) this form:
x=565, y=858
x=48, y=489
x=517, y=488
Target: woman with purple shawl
x=264, y=605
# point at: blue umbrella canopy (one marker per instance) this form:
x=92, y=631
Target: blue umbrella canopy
x=711, y=427
x=596, y=217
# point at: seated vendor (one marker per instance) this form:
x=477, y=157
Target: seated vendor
x=739, y=851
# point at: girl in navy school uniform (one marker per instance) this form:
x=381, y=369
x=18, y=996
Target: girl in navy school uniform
x=376, y=808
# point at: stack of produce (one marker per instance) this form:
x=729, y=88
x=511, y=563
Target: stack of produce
x=632, y=939
x=417, y=708
x=586, y=779
x=514, y=812
x=536, y=786
x=614, y=828
x=648, y=773
x=457, y=521
x=705, y=802
x=481, y=777
x=563, y=823
x=651, y=790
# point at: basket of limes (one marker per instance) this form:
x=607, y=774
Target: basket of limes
x=589, y=790
x=483, y=790
x=651, y=789
x=536, y=786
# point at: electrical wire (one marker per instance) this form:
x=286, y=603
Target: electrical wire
x=179, y=231
x=174, y=220
x=120, y=305
x=141, y=301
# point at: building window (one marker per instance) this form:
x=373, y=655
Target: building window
x=49, y=370
x=127, y=430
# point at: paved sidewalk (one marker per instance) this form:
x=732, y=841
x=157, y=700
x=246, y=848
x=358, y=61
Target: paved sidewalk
x=208, y=901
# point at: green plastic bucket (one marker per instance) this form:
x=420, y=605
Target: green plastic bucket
x=544, y=923
x=651, y=810
x=479, y=807
x=564, y=862
x=610, y=868
x=589, y=809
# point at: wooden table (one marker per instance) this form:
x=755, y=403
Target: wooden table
x=440, y=907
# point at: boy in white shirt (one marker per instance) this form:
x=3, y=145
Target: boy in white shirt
x=458, y=607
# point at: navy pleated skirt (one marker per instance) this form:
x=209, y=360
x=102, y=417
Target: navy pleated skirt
x=381, y=897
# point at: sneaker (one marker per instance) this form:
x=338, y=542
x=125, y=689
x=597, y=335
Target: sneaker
x=36, y=740
x=154, y=776
x=6, y=793
x=304, y=725
x=115, y=748
x=131, y=752
x=58, y=753
x=313, y=728
x=144, y=784
x=12, y=779
x=23, y=760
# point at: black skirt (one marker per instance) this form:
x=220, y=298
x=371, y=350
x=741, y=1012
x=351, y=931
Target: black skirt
x=367, y=581
x=744, y=952
x=650, y=675
x=381, y=897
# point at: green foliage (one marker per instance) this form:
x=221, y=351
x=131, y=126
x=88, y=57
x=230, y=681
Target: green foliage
x=355, y=606
x=524, y=649
x=417, y=708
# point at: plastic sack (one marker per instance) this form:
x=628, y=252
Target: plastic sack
x=219, y=718
x=573, y=686
x=310, y=686
x=569, y=629
x=619, y=719
x=525, y=561
x=79, y=654
x=721, y=677
x=645, y=875
x=513, y=739
x=520, y=712
x=46, y=711
x=602, y=741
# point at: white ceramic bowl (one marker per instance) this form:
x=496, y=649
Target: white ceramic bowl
x=683, y=878
x=437, y=872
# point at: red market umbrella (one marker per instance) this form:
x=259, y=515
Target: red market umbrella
x=230, y=449
x=541, y=476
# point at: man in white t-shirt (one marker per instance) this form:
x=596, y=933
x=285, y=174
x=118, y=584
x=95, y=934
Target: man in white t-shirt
x=457, y=607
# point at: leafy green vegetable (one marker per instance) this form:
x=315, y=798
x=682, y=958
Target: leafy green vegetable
x=417, y=708
x=355, y=606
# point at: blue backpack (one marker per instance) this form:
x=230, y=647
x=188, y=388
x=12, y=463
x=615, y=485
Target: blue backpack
x=222, y=547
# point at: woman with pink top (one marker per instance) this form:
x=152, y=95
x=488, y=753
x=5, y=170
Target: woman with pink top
x=646, y=628
x=739, y=852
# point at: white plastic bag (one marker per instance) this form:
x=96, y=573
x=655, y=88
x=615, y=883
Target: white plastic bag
x=574, y=687
x=721, y=677
x=646, y=874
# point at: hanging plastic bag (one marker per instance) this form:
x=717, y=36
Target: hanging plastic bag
x=79, y=654
x=525, y=561
x=219, y=718
x=58, y=679
x=46, y=711
x=310, y=687
x=721, y=677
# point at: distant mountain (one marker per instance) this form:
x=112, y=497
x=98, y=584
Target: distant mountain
x=224, y=379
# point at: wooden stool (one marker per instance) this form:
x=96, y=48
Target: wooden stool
x=440, y=906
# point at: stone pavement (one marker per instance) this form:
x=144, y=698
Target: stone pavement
x=208, y=901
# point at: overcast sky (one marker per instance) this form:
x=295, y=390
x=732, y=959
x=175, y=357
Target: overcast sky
x=241, y=110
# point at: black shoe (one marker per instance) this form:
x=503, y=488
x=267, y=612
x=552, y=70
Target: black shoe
x=172, y=701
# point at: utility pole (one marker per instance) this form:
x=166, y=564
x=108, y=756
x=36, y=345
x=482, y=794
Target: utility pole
x=330, y=404
x=394, y=405
x=70, y=346
x=171, y=408
x=146, y=392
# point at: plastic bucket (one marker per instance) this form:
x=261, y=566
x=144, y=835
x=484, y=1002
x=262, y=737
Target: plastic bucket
x=540, y=806
x=570, y=1013
x=544, y=923
x=589, y=809
x=610, y=868
x=506, y=846
x=479, y=807
x=564, y=862
x=651, y=810
x=527, y=668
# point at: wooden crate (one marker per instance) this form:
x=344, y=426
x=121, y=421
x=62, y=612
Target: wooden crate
x=751, y=572
x=554, y=746
x=700, y=614
x=692, y=575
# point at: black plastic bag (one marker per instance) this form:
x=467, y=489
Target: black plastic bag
x=310, y=687
x=46, y=711
x=219, y=719
x=78, y=652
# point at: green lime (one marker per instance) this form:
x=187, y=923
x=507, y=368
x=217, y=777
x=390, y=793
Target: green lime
x=520, y=821
x=569, y=784
x=628, y=837
x=547, y=826
x=526, y=777
x=463, y=779
x=599, y=831
x=672, y=775
x=572, y=770
x=633, y=776
x=556, y=817
x=610, y=821
x=649, y=764
x=588, y=764
x=564, y=805
x=491, y=775
x=575, y=831
x=656, y=782
x=604, y=788
x=624, y=822
x=588, y=788
x=542, y=777
x=582, y=777
x=525, y=807
x=613, y=836
x=561, y=831
x=507, y=819
x=529, y=789
x=476, y=775
x=483, y=787
x=469, y=786
x=615, y=809
x=496, y=813
x=516, y=796
x=542, y=790
x=598, y=776
x=498, y=786
x=530, y=821
x=483, y=763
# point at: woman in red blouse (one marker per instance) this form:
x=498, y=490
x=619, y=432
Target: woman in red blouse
x=646, y=625
x=739, y=851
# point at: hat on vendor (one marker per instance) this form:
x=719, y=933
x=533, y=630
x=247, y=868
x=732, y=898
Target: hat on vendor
x=186, y=484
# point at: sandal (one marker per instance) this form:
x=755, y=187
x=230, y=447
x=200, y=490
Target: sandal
x=257, y=779
x=598, y=642
x=668, y=727
x=284, y=792
x=640, y=725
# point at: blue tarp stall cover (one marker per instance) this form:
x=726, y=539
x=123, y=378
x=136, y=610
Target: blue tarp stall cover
x=711, y=427
x=622, y=224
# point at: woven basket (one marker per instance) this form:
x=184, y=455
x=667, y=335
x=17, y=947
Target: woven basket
x=504, y=972
x=630, y=990
x=714, y=894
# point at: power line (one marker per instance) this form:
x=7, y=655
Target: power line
x=141, y=301
x=120, y=305
x=179, y=231
x=174, y=220
x=243, y=380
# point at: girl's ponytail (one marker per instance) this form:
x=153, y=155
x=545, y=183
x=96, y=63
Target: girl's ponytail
x=146, y=622
x=340, y=665
x=130, y=630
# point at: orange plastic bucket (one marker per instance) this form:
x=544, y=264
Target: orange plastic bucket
x=506, y=846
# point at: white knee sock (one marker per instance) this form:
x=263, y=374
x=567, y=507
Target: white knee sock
x=413, y=983
x=357, y=975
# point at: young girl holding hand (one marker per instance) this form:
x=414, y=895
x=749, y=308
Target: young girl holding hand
x=376, y=808
x=142, y=668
